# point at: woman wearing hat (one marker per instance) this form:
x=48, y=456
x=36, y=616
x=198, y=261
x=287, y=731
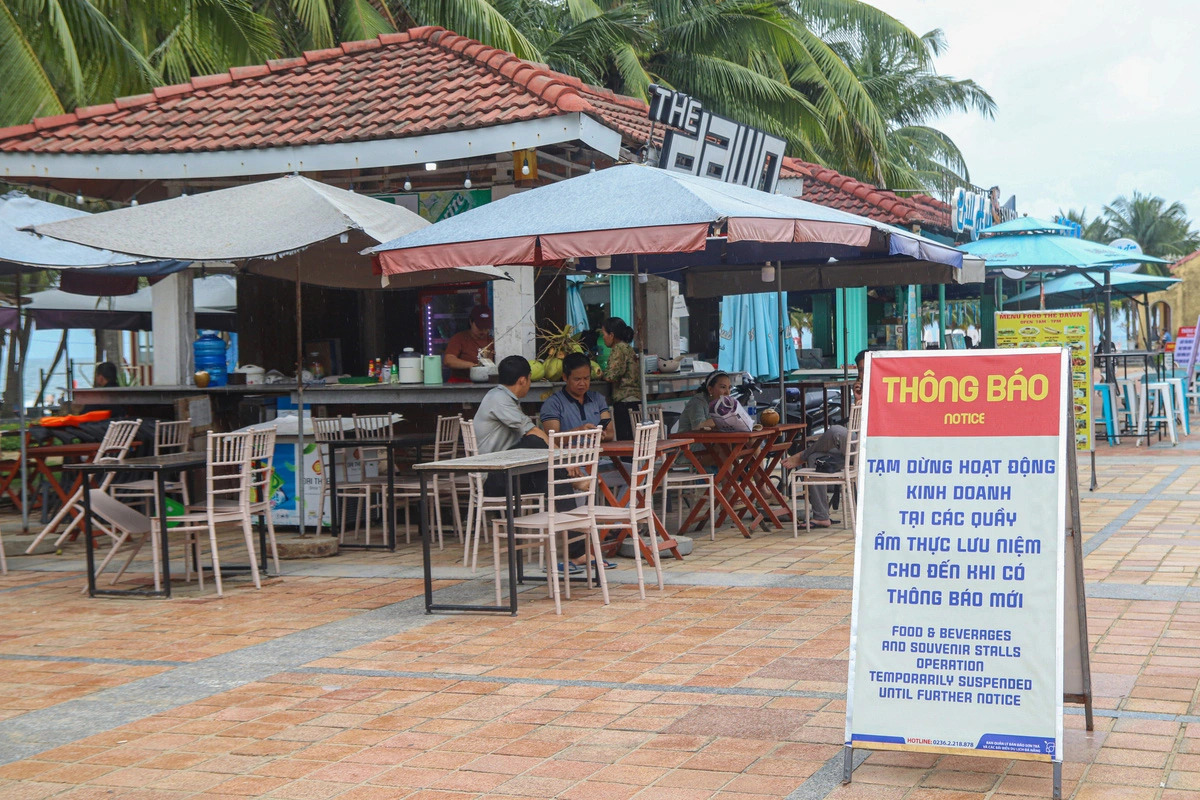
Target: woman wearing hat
x=462, y=351
x=695, y=415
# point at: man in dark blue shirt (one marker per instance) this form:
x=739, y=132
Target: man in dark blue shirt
x=576, y=406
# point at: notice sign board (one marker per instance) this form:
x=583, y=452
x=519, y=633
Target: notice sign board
x=956, y=642
x=1068, y=328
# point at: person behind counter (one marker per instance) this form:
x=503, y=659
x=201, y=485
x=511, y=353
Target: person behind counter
x=106, y=375
x=622, y=374
x=576, y=406
x=695, y=415
x=462, y=351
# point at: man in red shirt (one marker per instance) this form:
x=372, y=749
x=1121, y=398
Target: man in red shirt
x=462, y=351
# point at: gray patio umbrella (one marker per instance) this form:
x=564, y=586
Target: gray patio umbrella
x=712, y=236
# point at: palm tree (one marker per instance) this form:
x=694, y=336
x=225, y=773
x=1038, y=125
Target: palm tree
x=908, y=94
x=315, y=24
x=1094, y=230
x=59, y=54
x=1162, y=230
x=56, y=55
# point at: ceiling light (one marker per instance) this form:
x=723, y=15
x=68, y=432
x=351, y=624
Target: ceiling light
x=430, y=166
x=768, y=273
x=407, y=184
x=604, y=263
x=79, y=198
x=593, y=169
x=133, y=202
x=467, y=182
x=525, y=166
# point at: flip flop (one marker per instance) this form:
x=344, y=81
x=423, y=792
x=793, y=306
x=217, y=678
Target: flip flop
x=570, y=568
x=607, y=564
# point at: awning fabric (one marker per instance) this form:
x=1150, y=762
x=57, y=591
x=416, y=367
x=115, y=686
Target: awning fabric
x=671, y=221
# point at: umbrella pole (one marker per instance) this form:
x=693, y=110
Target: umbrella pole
x=1109, y=364
x=641, y=334
x=783, y=331
x=300, y=404
x=21, y=426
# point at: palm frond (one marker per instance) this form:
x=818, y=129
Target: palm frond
x=27, y=91
x=476, y=19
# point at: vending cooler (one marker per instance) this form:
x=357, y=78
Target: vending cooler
x=446, y=310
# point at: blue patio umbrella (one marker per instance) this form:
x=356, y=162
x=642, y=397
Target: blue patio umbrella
x=1088, y=287
x=750, y=336
x=1026, y=245
x=1032, y=245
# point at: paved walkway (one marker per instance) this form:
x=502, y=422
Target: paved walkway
x=331, y=682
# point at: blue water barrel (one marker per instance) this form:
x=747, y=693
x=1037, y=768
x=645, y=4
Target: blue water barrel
x=209, y=353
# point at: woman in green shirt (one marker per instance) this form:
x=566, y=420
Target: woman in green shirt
x=622, y=374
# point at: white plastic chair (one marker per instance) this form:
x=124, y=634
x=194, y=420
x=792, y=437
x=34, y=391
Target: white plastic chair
x=571, y=452
x=328, y=429
x=113, y=449
x=3, y=558
x=480, y=504
x=683, y=478
x=169, y=437
x=639, y=510
x=445, y=487
x=847, y=478
x=229, y=483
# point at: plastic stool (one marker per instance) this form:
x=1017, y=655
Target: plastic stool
x=1108, y=403
x=1182, y=412
x=1127, y=393
x=1157, y=406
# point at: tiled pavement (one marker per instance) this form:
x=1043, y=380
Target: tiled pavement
x=330, y=682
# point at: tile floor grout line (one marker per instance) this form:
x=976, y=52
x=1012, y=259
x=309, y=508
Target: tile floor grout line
x=121, y=662
x=824, y=781
x=572, y=682
x=33, y=732
x=1103, y=535
x=38, y=583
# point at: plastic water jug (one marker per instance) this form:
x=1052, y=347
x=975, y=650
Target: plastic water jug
x=209, y=351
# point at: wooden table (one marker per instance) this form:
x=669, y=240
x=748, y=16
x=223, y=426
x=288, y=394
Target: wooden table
x=669, y=450
x=390, y=444
x=513, y=464
x=82, y=453
x=774, y=451
x=736, y=456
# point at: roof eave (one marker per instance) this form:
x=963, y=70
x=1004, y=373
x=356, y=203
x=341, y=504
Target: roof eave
x=409, y=150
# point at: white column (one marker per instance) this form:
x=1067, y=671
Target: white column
x=513, y=317
x=512, y=314
x=662, y=332
x=173, y=318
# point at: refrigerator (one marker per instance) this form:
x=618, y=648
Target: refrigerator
x=446, y=310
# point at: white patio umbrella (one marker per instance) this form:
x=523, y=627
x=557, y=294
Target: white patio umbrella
x=290, y=227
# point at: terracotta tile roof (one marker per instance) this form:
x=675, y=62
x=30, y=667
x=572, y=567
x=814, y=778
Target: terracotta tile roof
x=1189, y=257
x=425, y=80
x=832, y=189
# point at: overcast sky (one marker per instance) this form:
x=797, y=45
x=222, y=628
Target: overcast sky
x=1095, y=98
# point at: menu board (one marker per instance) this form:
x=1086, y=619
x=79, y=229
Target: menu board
x=1185, y=348
x=1071, y=328
x=957, y=623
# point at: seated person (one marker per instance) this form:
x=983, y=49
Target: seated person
x=695, y=415
x=576, y=407
x=833, y=440
x=500, y=423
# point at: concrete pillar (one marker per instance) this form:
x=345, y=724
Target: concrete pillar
x=512, y=312
x=513, y=319
x=662, y=330
x=173, y=317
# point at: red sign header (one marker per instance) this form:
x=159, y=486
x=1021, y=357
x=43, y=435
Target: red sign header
x=1000, y=394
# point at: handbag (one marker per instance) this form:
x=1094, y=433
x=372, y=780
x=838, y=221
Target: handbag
x=829, y=462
